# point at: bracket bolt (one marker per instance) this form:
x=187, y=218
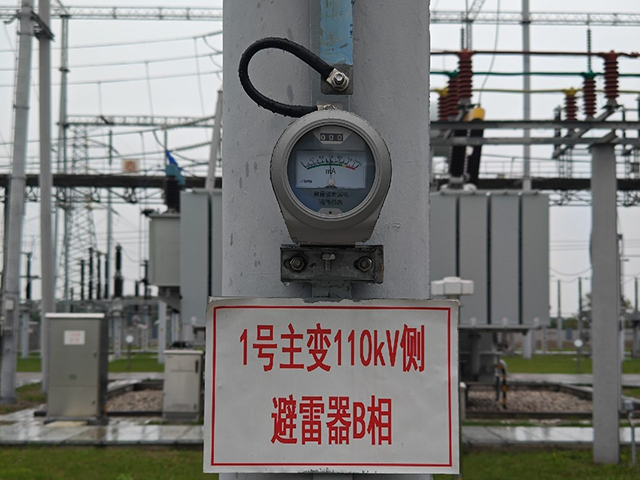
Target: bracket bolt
x=364, y=264
x=338, y=80
x=296, y=264
x=327, y=257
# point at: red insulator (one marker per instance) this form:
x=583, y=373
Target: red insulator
x=452, y=97
x=465, y=75
x=589, y=97
x=442, y=104
x=611, y=77
x=570, y=105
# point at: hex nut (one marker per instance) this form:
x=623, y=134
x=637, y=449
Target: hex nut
x=364, y=264
x=297, y=264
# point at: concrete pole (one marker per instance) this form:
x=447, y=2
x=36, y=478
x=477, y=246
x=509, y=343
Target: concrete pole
x=117, y=335
x=107, y=255
x=527, y=344
x=559, y=341
x=605, y=306
x=383, y=88
x=24, y=333
x=47, y=305
x=215, y=144
x=526, y=86
x=11, y=287
x=162, y=330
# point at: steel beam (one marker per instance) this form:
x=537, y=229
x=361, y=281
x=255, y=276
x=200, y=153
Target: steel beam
x=539, y=18
x=568, y=141
x=138, y=121
x=127, y=13
x=539, y=125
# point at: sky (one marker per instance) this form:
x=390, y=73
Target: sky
x=144, y=92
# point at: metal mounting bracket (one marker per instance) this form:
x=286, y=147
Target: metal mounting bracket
x=328, y=268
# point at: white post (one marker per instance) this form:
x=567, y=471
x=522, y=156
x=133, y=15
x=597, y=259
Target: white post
x=11, y=288
x=526, y=86
x=605, y=306
x=24, y=333
x=117, y=336
x=46, y=186
x=162, y=330
x=395, y=101
x=527, y=344
x=215, y=144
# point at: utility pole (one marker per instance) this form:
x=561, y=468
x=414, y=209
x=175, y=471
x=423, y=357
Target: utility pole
x=46, y=185
x=605, y=306
x=82, y=297
x=559, y=318
x=580, y=326
x=215, y=144
x=98, y=276
x=62, y=151
x=526, y=86
x=11, y=287
x=90, y=295
x=253, y=229
x=107, y=255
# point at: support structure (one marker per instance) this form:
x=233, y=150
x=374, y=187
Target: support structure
x=251, y=260
x=11, y=286
x=162, y=330
x=46, y=187
x=215, y=144
x=526, y=86
x=605, y=307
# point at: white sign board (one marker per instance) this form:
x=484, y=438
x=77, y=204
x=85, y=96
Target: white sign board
x=331, y=387
x=74, y=337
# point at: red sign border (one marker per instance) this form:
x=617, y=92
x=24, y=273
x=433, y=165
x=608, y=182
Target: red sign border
x=327, y=307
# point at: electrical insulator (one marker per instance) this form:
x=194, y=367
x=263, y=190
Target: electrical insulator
x=570, y=104
x=452, y=97
x=611, y=77
x=465, y=76
x=442, y=103
x=589, y=96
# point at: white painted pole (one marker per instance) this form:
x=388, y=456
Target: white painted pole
x=162, y=330
x=526, y=86
x=24, y=333
x=395, y=101
x=605, y=306
x=46, y=188
x=11, y=288
x=215, y=144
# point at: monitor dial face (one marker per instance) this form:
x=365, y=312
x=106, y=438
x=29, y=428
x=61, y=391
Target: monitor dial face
x=331, y=170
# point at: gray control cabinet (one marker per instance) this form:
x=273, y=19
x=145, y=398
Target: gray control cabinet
x=78, y=346
x=164, y=250
x=200, y=252
x=182, y=384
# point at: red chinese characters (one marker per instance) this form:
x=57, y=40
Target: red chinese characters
x=323, y=348
x=343, y=421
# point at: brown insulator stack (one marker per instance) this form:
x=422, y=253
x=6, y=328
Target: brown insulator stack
x=452, y=97
x=589, y=96
x=465, y=76
x=611, y=77
x=570, y=104
x=443, y=93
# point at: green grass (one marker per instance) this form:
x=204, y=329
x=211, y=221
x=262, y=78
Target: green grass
x=631, y=392
x=510, y=464
x=140, y=362
x=69, y=463
x=28, y=396
x=561, y=364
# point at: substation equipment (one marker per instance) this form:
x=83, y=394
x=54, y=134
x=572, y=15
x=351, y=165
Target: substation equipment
x=330, y=172
x=78, y=370
x=182, y=396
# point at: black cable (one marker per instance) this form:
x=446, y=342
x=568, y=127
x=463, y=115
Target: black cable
x=308, y=57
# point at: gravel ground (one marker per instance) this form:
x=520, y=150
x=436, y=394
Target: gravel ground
x=142, y=400
x=527, y=401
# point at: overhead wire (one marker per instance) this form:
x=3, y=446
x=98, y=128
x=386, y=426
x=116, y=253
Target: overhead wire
x=493, y=57
x=135, y=42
